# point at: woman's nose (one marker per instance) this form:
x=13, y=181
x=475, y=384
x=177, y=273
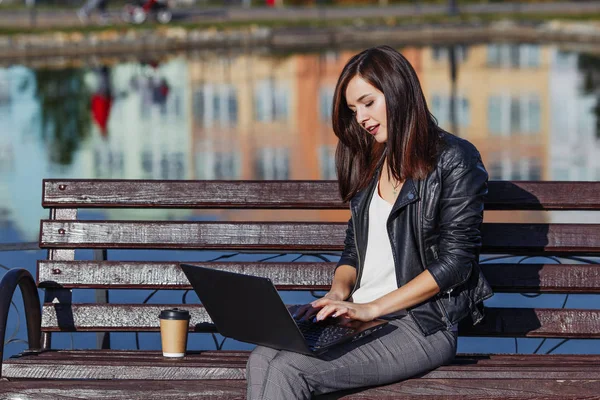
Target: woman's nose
x=361, y=117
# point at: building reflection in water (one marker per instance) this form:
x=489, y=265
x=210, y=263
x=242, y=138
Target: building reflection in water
x=250, y=115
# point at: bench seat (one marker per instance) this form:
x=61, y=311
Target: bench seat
x=220, y=374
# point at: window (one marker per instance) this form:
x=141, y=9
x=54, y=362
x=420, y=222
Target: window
x=515, y=115
x=493, y=55
x=513, y=55
x=441, y=109
x=325, y=103
x=272, y=163
x=504, y=167
x=109, y=163
x=327, y=162
x=147, y=163
x=495, y=170
x=531, y=55
x=215, y=105
x=532, y=120
x=510, y=115
x=271, y=101
x=442, y=53
x=198, y=108
x=218, y=165
x=438, y=109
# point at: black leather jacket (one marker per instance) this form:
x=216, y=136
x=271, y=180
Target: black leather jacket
x=446, y=221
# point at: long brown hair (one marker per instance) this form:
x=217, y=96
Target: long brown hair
x=413, y=132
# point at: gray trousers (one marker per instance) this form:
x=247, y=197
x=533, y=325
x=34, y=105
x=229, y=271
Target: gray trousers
x=394, y=353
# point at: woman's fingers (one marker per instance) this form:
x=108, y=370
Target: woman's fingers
x=333, y=309
x=325, y=308
x=361, y=312
x=304, y=312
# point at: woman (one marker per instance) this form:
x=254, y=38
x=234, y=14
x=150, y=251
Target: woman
x=412, y=243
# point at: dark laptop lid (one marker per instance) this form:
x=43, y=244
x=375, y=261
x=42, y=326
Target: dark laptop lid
x=246, y=308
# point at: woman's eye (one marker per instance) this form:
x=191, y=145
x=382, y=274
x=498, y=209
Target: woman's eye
x=369, y=104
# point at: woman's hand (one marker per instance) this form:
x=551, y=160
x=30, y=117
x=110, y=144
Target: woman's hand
x=337, y=308
x=307, y=311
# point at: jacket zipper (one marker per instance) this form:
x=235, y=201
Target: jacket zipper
x=451, y=288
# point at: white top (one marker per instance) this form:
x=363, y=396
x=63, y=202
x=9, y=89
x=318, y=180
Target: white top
x=379, y=273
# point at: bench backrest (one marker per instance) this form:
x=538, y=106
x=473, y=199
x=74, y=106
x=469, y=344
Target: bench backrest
x=64, y=232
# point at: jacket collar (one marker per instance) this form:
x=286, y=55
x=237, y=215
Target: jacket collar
x=408, y=194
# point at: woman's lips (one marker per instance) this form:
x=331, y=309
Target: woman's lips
x=373, y=131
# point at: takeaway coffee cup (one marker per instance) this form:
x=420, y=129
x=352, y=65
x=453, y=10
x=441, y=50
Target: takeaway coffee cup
x=173, y=332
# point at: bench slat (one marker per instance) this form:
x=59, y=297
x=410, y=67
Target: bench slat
x=543, y=278
x=507, y=322
x=472, y=388
x=540, y=322
x=168, y=275
x=130, y=390
x=507, y=278
x=503, y=195
x=193, y=235
x=469, y=388
x=301, y=236
x=470, y=360
x=192, y=194
x=120, y=365
x=157, y=370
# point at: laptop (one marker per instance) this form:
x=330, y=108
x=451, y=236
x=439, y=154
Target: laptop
x=249, y=309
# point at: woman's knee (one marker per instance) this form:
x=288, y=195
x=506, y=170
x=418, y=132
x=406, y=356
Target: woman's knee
x=261, y=356
x=286, y=372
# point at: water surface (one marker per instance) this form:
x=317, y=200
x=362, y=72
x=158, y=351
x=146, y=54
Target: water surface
x=532, y=110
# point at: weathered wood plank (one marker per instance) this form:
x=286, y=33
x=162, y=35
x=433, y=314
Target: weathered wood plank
x=520, y=195
x=503, y=195
x=543, y=278
x=300, y=236
x=541, y=238
x=168, y=275
x=508, y=322
x=122, y=370
x=116, y=317
x=482, y=389
x=241, y=356
x=540, y=322
x=305, y=236
x=467, y=389
x=126, y=370
x=511, y=278
x=130, y=390
x=194, y=356
x=192, y=194
x=94, y=364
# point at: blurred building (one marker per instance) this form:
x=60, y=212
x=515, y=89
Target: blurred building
x=147, y=132
x=502, y=104
x=574, y=144
x=264, y=117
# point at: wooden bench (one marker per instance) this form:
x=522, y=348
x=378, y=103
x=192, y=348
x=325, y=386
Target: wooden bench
x=43, y=372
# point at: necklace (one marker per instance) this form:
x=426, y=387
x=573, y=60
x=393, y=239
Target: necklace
x=395, y=188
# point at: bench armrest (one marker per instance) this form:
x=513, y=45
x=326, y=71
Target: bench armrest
x=31, y=300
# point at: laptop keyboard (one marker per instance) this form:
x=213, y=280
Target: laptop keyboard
x=322, y=333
